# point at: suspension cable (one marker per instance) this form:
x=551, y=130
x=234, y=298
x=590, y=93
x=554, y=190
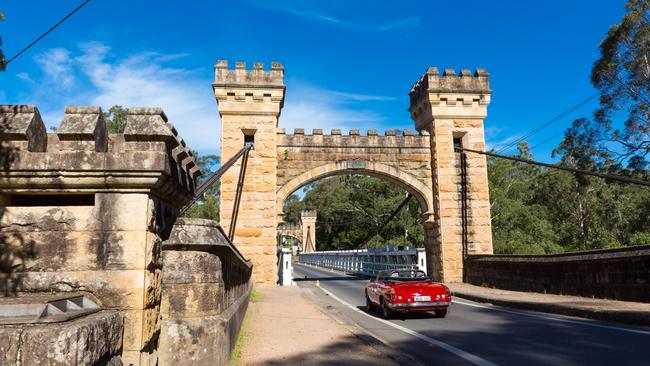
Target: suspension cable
x=618, y=178
x=198, y=193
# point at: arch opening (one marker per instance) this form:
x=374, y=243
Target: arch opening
x=353, y=207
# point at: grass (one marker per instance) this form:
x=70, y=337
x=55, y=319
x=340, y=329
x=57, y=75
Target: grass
x=256, y=296
x=235, y=356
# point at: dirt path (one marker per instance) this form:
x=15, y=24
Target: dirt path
x=285, y=328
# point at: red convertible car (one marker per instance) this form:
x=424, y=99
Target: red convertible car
x=406, y=291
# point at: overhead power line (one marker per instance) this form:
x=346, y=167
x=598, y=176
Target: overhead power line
x=548, y=123
x=48, y=31
x=618, y=178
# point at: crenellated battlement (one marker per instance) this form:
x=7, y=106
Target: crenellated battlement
x=82, y=155
x=450, y=94
x=242, y=77
x=233, y=88
x=450, y=82
x=352, y=139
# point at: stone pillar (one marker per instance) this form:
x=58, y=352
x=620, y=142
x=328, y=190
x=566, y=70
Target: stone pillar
x=83, y=210
x=451, y=108
x=250, y=102
x=308, y=219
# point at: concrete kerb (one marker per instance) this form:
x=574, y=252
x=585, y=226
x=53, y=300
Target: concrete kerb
x=632, y=317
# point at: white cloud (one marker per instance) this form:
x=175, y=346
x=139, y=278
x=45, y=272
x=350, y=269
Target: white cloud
x=497, y=144
x=310, y=14
x=25, y=77
x=137, y=80
x=57, y=66
x=310, y=107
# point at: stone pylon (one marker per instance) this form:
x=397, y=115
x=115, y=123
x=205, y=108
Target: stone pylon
x=250, y=102
x=451, y=108
x=308, y=219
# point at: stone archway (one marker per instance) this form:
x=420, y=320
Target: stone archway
x=410, y=183
x=447, y=109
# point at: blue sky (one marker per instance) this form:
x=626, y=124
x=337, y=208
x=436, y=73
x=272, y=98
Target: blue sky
x=347, y=64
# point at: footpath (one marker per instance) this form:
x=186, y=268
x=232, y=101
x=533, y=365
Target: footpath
x=600, y=309
x=283, y=327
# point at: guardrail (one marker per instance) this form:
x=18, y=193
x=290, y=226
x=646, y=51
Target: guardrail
x=368, y=261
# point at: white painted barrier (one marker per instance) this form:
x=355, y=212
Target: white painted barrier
x=368, y=261
x=285, y=267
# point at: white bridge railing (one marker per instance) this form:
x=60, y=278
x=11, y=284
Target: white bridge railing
x=368, y=261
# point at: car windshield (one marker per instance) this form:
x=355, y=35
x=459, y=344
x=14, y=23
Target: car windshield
x=403, y=275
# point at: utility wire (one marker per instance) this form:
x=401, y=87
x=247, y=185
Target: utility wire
x=48, y=31
x=379, y=229
x=618, y=178
x=548, y=123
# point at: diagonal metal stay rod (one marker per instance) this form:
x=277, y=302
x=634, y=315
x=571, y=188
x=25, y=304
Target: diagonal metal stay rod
x=389, y=219
x=618, y=178
x=215, y=176
x=240, y=189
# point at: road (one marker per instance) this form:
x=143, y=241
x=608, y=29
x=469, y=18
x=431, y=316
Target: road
x=479, y=334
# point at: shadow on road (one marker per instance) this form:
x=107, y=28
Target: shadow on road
x=399, y=316
x=337, y=278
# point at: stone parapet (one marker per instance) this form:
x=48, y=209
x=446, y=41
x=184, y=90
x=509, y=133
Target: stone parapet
x=206, y=285
x=619, y=273
x=84, y=210
x=95, y=339
x=405, y=139
x=149, y=157
x=234, y=88
x=463, y=95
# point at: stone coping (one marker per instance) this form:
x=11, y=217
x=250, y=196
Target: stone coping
x=201, y=235
x=598, y=254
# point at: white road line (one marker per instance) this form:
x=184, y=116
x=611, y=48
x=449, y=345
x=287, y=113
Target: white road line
x=476, y=360
x=583, y=322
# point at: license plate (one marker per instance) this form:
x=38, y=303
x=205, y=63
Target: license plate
x=421, y=298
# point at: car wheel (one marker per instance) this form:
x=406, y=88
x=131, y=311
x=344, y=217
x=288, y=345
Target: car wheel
x=386, y=312
x=441, y=313
x=368, y=303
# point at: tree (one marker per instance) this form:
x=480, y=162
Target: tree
x=351, y=207
x=622, y=75
x=3, y=61
x=115, y=119
x=208, y=206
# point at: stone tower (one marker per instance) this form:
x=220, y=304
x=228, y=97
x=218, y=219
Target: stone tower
x=250, y=102
x=451, y=108
x=308, y=219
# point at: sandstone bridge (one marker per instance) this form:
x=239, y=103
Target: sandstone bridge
x=97, y=267
x=447, y=108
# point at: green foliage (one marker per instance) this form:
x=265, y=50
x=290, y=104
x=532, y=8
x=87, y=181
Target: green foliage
x=352, y=206
x=115, y=119
x=544, y=211
x=621, y=76
x=208, y=206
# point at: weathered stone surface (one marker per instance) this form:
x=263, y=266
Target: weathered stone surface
x=22, y=127
x=620, y=274
x=206, y=285
x=83, y=128
x=111, y=244
x=90, y=340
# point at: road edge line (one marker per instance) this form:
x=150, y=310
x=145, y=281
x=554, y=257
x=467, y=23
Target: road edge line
x=476, y=360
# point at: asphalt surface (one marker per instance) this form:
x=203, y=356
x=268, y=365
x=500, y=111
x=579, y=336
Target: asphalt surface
x=479, y=334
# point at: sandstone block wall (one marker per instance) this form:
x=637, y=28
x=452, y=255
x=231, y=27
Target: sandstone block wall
x=206, y=286
x=451, y=107
x=83, y=210
x=95, y=339
x=249, y=105
x=620, y=274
